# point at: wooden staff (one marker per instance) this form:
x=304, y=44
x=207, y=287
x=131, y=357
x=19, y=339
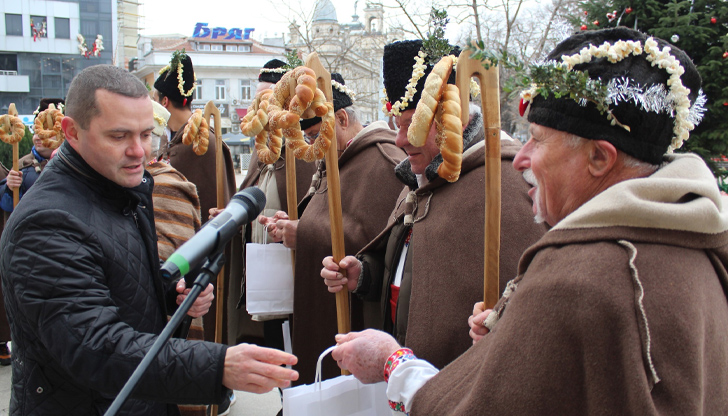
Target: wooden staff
x=323, y=78
x=16, y=192
x=212, y=111
x=292, y=197
x=490, y=100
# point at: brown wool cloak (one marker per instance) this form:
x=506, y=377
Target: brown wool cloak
x=445, y=259
x=201, y=170
x=583, y=332
x=369, y=189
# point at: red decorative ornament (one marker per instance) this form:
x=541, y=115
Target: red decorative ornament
x=595, y=23
x=725, y=104
x=583, y=27
x=522, y=106
x=628, y=10
x=389, y=106
x=713, y=20
x=725, y=55
x=586, y=12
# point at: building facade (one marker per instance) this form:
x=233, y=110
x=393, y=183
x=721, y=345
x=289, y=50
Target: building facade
x=352, y=49
x=44, y=44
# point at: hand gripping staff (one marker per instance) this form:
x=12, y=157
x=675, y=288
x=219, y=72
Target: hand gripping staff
x=323, y=78
x=12, y=131
x=490, y=99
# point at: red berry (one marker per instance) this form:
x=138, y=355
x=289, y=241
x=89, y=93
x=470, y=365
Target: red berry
x=628, y=10
x=595, y=23
x=586, y=12
x=725, y=55
x=583, y=27
x=725, y=104
x=713, y=20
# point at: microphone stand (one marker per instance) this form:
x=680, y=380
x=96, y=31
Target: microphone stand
x=210, y=269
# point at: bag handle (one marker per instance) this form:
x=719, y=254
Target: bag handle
x=317, y=380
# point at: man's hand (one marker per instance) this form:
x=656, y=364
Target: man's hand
x=15, y=179
x=285, y=231
x=256, y=369
x=364, y=354
x=214, y=212
x=334, y=279
x=203, y=302
x=477, y=321
x=269, y=223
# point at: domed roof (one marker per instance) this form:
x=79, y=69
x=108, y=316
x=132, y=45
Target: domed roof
x=324, y=12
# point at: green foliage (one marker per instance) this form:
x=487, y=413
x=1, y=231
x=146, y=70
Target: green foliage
x=6, y=150
x=687, y=24
x=292, y=59
x=436, y=45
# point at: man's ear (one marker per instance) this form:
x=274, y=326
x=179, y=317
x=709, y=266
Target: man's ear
x=602, y=157
x=342, y=118
x=70, y=130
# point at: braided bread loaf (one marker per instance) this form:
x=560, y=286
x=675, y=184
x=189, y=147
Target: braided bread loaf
x=48, y=127
x=268, y=145
x=317, y=150
x=197, y=133
x=449, y=137
x=256, y=118
x=431, y=94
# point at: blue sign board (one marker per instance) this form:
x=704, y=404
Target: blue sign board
x=202, y=31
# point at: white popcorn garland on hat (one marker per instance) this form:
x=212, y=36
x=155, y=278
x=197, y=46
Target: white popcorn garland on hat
x=343, y=88
x=281, y=70
x=651, y=99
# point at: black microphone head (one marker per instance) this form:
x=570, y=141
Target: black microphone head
x=253, y=198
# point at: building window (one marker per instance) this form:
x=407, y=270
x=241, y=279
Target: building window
x=231, y=48
x=216, y=48
x=205, y=47
x=245, y=90
x=13, y=24
x=220, y=89
x=243, y=48
x=63, y=28
x=38, y=27
x=198, y=91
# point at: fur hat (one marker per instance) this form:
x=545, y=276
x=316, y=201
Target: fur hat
x=398, y=62
x=45, y=102
x=342, y=99
x=273, y=77
x=635, y=89
x=168, y=82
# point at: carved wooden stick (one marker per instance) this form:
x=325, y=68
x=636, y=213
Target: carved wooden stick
x=323, y=78
x=16, y=192
x=490, y=99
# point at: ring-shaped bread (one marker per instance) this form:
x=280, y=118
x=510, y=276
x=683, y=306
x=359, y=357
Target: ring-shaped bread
x=197, y=133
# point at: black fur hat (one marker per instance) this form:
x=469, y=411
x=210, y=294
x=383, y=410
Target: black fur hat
x=45, y=102
x=398, y=60
x=168, y=81
x=273, y=77
x=650, y=133
x=341, y=100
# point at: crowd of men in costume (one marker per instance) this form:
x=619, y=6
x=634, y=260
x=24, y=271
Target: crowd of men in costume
x=613, y=301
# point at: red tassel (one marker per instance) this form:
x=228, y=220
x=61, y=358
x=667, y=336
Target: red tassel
x=522, y=106
x=184, y=102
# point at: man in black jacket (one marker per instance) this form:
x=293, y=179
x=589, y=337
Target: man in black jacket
x=80, y=275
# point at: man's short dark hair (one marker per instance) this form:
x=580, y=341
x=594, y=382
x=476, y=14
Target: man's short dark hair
x=176, y=104
x=81, y=98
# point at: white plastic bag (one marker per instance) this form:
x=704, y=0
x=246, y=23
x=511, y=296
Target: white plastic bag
x=340, y=396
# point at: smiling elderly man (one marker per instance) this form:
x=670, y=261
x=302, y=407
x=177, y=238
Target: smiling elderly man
x=621, y=307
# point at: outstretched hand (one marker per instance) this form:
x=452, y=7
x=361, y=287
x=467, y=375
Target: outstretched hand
x=256, y=369
x=364, y=353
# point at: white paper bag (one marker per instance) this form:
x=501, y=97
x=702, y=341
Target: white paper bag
x=340, y=396
x=268, y=279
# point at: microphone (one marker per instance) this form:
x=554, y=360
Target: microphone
x=244, y=206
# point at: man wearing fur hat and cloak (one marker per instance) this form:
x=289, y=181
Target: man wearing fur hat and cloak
x=621, y=307
x=426, y=268
x=175, y=95
x=367, y=157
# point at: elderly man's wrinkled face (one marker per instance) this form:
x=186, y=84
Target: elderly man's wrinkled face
x=557, y=169
x=419, y=157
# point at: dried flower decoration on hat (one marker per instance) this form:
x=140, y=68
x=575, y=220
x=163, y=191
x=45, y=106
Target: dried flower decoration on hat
x=343, y=88
x=433, y=48
x=560, y=79
x=176, y=65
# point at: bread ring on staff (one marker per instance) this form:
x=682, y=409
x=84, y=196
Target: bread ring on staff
x=292, y=95
x=256, y=118
x=12, y=129
x=268, y=154
x=318, y=106
x=48, y=127
x=449, y=137
x=431, y=94
x=317, y=150
x=197, y=133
